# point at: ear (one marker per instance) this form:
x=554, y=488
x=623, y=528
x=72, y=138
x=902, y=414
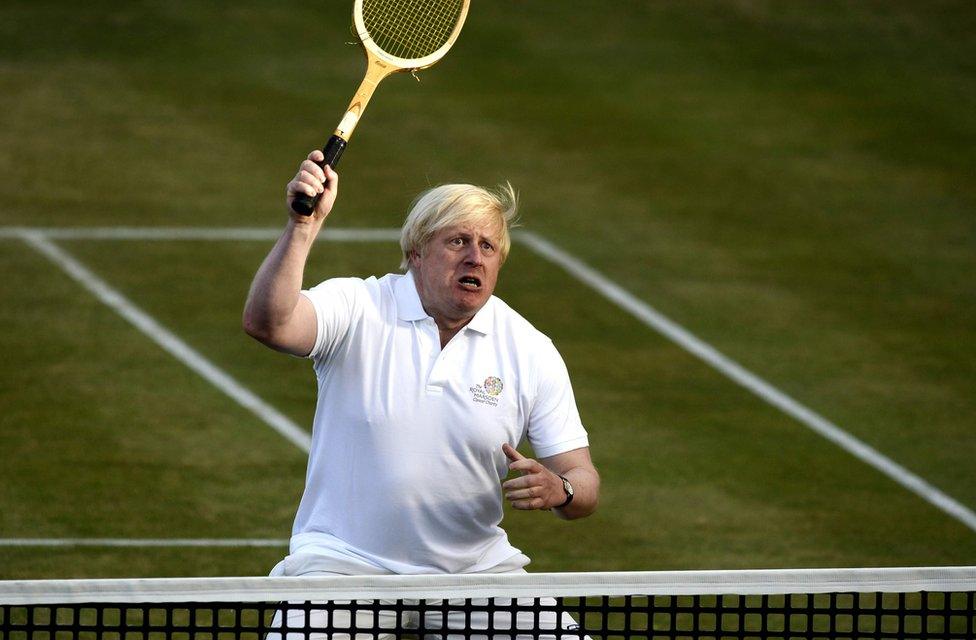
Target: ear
x=414, y=259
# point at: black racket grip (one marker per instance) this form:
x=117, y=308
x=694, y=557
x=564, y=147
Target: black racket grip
x=305, y=204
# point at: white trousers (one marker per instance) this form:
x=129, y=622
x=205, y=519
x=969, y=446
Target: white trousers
x=435, y=625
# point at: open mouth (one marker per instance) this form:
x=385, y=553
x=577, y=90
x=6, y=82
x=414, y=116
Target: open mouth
x=470, y=282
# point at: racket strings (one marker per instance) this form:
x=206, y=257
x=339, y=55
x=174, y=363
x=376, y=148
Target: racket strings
x=411, y=29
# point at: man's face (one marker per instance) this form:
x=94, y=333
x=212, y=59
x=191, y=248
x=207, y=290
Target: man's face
x=457, y=270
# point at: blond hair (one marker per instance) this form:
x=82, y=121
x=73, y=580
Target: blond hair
x=452, y=204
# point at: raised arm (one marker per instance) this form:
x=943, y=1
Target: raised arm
x=276, y=314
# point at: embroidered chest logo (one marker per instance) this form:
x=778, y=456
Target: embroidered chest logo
x=487, y=393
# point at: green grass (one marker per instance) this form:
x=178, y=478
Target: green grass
x=791, y=181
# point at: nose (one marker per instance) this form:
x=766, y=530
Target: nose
x=473, y=256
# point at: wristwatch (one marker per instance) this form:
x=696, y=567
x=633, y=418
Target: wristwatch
x=568, y=488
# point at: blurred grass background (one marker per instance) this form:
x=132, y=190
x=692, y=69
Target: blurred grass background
x=792, y=181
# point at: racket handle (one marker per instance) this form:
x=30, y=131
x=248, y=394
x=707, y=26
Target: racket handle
x=305, y=204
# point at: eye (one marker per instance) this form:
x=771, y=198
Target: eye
x=487, y=247
x=457, y=241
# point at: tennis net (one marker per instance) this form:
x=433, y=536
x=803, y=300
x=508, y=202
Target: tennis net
x=810, y=603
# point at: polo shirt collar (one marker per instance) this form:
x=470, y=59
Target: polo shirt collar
x=484, y=319
x=409, y=307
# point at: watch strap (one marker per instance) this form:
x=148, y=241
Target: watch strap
x=568, y=488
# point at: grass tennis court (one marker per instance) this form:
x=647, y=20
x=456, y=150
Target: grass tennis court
x=791, y=182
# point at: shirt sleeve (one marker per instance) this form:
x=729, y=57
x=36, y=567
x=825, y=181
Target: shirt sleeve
x=554, y=421
x=338, y=305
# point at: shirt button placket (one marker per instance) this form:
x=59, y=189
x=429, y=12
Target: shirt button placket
x=436, y=381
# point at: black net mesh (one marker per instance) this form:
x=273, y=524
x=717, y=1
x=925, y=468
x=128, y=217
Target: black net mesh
x=950, y=615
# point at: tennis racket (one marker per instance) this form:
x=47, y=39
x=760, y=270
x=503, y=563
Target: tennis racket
x=397, y=35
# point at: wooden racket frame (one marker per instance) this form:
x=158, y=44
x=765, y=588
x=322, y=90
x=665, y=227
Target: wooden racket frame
x=380, y=64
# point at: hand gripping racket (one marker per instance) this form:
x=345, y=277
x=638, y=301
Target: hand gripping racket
x=397, y=35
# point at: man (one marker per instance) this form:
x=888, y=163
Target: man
x=427, y=383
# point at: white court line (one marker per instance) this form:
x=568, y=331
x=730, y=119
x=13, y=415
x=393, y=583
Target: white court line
x=738, y=374
x=142, y=542
x=616, y=294
x=192, y=233
x=168, y=341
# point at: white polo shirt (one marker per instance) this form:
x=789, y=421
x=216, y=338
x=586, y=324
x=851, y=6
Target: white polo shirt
x=406, y=460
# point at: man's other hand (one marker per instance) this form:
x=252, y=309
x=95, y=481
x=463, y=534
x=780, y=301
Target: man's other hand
x=536, y=488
